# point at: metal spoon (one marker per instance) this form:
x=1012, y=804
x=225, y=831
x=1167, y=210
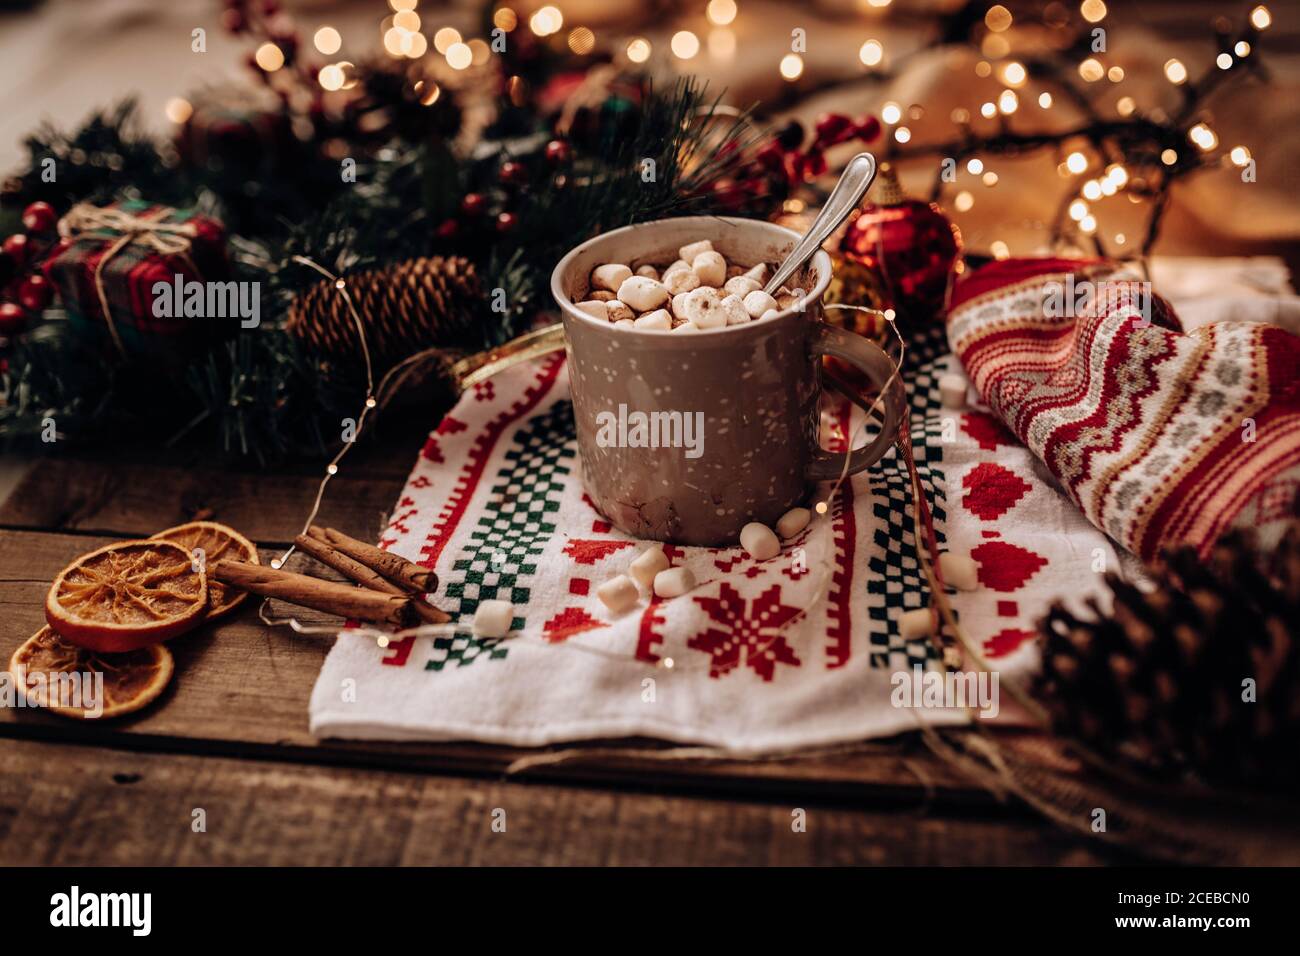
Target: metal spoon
x=844, y=198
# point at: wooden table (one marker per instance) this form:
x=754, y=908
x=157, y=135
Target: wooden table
x=230, y=736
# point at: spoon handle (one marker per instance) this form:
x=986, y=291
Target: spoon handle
x=844, y=198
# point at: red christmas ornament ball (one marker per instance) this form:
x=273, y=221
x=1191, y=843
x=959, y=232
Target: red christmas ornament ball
x=35, y=293
x=17, y=247
x=40, y=218
x=13, y=319
x=473, y=204
x=513, y=173
x=506, y=222
x=911, y=247
x=558, y=152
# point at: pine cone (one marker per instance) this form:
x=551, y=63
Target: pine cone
x=406, y=307
x=1160, y=682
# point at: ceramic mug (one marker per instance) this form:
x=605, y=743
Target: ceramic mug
x=686, y=437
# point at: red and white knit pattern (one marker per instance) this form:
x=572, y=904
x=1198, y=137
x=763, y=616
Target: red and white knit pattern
x=1160, y=437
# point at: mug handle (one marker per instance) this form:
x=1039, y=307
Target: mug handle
x=871, y=360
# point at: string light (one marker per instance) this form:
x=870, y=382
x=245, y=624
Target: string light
x=1169, y=157
x=1076, y=162
x=396, y=41
x=1203, y=136
x=415, y=46
x=1045, y=100
x=459, y=56
x=582, y=41
x=269, y=57
x=400, y=5
x=1091, y=190
x=721, y=12
x=872, y=53
x=1242, y=49
x=1088, y=224
x=988, y=110
x=1008, y=102
x=1013, y=74
x=1000, y=249
x=998, y=18
x=638, y=50
x=685, y=44
x=1078, y=210
x=444, y=38
x=1091, y=70
x=902, y=134
x=407, y=20
x=1240, y=156
x=1115, y=74
x=480, y=51
x=1175, y=72
x=983, y=69
x=546, y=21
x=1260, y=18
x=505, y=19
x=1117, y=174
x=327, y=40
x=331, y=77
x=891, y=113
x=178, y=110
x=1125, y=106
x=791, y=66
x=1094, y=11
x=963, y=201
x=990, y=178
x=975, y=166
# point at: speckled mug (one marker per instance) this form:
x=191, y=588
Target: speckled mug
x=757, y=385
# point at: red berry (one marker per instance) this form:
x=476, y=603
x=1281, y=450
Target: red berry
x=448, y=229
x=506, y=221
x=558, y=152
x=39, y=218
x=512, y=172
x=771, y=156
x=833, y=129
x=34, y=293
x=474, y=204
x=18, y=248
x=866, y=128
x=12, y=318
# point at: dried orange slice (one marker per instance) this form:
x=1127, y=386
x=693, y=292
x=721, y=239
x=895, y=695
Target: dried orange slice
x=56, y=674
x=127, y=595
x=217, y=541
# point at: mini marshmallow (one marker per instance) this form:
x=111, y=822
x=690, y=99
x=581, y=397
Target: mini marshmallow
x=619, y=594
x=769, y=314
x=686, y=327
x=734, y=309
x=742, y=285
x=959, y=570
x=679, y=264
x=647, y=564
x=594, y=307
x=625, y=324
x=759, y=541
x=689, y=251
x=756, y=303
x=710, y=267
x=915, y=624
x=642, y=294
x=792, y=522
x=677, y=281
x=679, y=304
x=647, y=270
x=758, y=273
x=616, y=311
x=657, y=321
x=493, y=618
x=674, y=582
x=610, y=276
x=603, y=295
x=704, y=308
x=952, y=391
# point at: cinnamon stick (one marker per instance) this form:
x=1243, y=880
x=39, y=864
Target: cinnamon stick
x=329, y=596
x=356, y=571
x=406, y=574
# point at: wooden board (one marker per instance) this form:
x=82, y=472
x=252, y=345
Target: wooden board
x=77, y=805
x=242, y=688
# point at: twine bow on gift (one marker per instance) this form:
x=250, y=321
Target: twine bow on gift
x=123, y=228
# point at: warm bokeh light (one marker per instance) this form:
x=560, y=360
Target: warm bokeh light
x=638, y=50
x=963, y=202
x=327, y=40
x=331, y=77
x=1260, y=18
x=178, y=110
x=1125, y=106
x=582, y=41
x=1169, y=157
x=1008, y=102
x=721, y=12
x=902, y=134
x=505, y=19
x=791, y=66
x=891, y=113
x=400, y=5
x=546, y=21
x=1203, y=137
x=479, y=51
x=415, y=46
x=1000, y=249
x=998, y=18
x=1078, y=209
x=685, y=44
x=1115, y=74
x=407, y=20
x=988, y=110
x=427, y=91
x=1091, y=69
x=1175, y=72
x=1013, y=74
x=459, y=56
x=269, y=57
x=1094, y=11
x=872, y=53
x=974, y=166
x=1045, y=100
x=1223, y=61
x=444, y=38
x=1091, y=190
x=1088, y=224
x=1076, y=162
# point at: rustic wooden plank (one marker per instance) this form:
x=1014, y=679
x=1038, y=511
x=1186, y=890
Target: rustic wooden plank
x=137, y=491
x=243, y=688
x=75, y=805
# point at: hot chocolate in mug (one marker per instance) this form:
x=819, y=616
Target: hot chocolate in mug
x=687, y=437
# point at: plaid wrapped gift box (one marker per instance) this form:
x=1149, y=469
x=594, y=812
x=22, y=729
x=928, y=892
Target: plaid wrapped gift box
x=88, y=264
